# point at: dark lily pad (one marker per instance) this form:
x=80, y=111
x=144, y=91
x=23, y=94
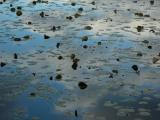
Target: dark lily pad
x=93, y=2
x=69, y=17
x=19, y=13
x=76, y=60
x=115, y=11
x=42, y=14
x=149, y=47
x=110, y=75
x=135, y=68
x=17, y=39
x=34, y=74
x=29, y=23
x=57, y=45
x=82, y=85
x=73, y=3
x=15, y=56
x=88, y=28
x=3, y=64
x=51, y=78
x=46, y=36
x=139, y=14
x=32, y=94
x=76, y=113
x=58, y=76
x=77, y=15
x=26, y=37
x=146, y=15
x=139, y=54
x=58, y=27
x=115, y=71
x=19, y=7
x=53, y=28
x=140, y=28
x=60, y=57
x=85, y=46
x=84, y=38
x=80, y=9
x=118, y=59
x=34, y=2
x=99, y=43
x=152, y=2
x=13, y=9
x=74, y=66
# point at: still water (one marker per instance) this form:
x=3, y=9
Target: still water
x=80, y=60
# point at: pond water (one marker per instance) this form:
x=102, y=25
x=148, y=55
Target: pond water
x=79, y=60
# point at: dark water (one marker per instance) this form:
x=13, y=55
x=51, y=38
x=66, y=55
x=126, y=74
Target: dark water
x=29, y=86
